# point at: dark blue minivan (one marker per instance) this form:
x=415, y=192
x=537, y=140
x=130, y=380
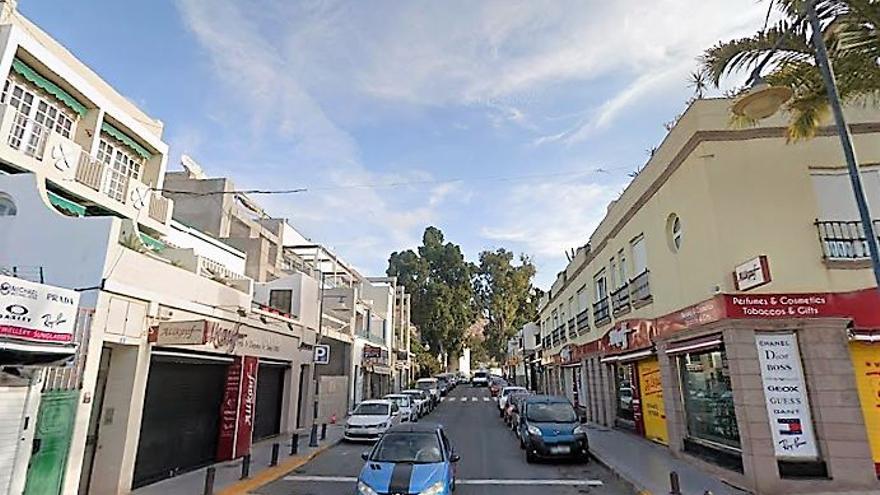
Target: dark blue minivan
x=549, y=428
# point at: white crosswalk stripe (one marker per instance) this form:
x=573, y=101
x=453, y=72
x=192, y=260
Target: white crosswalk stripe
x=452, y=399
x=486, y=399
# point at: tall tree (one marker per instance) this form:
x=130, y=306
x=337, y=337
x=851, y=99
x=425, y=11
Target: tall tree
x=850, y=28
x=439, y=279
x=505, y=296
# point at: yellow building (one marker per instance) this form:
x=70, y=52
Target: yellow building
x=725, y=307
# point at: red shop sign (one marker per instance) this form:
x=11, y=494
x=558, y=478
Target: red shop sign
x=862, y=306
x=237, y=409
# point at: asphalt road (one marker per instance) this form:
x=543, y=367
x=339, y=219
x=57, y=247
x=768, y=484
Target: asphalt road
x=491, y=460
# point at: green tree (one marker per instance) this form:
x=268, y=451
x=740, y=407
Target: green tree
x=850, y=29
x=439, y=280
x=505, y=296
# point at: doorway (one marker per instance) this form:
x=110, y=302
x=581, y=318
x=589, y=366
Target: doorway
x=94, y=421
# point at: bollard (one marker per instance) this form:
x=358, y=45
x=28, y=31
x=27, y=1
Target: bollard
x=674, y=487
x=209, y=480
x=313, y=436
x=274, y=461
x=324, y=431
x=294, y=444
x=245, y=467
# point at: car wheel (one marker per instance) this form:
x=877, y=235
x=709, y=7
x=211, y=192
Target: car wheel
x=453, y=484
x=530, y=458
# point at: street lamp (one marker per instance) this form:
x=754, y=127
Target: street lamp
x=763, y=100
x=313, y=434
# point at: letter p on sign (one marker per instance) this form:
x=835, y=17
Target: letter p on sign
x=322, y=354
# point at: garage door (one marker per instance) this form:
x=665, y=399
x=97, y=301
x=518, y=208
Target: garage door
x=180, y=425
x=12, y=402
x=270, y=391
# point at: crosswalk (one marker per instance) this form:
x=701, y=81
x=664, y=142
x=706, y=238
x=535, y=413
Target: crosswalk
x=466, y=399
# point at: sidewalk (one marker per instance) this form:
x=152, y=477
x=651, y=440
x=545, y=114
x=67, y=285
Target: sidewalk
x=647, y=465
x=227, y=476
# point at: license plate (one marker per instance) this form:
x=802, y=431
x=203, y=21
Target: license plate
x=560, y=449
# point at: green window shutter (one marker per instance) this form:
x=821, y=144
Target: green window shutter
x=66, y=204
x=48, y=86
x=152, y=243
x=123, y=137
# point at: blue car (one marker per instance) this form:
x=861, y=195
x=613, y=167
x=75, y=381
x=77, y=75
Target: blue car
x=410, y=459
x=549, y=428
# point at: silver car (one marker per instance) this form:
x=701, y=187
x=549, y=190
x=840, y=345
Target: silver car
x=370, y=420
x=404, y=402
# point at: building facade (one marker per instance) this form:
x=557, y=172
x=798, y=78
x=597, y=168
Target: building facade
x=725, y=307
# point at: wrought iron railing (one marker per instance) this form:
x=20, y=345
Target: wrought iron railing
x=583, y=321
x=601, y=312
x=620, y=300
x=572, y=328
x=563, y=337
x=844, y=240
x=640, y=289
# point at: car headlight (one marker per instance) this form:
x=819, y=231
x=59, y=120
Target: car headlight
x=580, y=430
x=437, y=488
x=364, y=489
x=534, y=430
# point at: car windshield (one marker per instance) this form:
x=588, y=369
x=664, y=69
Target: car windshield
x=553, y=412
x=400, y=401
x=425, y=385
x=418, y=448
x=371, y=410
x=480, y=374
x=511, y=391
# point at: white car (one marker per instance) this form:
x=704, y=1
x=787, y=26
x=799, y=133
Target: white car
x=505, y=393
x=431, y=386
x=421, y=400
x=404, y=402
x=371, y=419
x=480, y=379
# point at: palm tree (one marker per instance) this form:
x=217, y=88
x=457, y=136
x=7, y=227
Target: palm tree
x=851, y=29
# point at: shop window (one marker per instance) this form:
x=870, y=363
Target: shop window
x=624, y=380
x=708, y=399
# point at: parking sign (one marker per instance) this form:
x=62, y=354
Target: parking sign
x=322, y=354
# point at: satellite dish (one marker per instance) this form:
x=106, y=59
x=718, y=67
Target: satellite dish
x=192, y=168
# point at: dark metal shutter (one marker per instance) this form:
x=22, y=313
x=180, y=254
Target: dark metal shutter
x=180, y=424
x=270, y=391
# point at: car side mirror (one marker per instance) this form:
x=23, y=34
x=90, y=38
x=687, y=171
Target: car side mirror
x=365, y=455
x=454, y=458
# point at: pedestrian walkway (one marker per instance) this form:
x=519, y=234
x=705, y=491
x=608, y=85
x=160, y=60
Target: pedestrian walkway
x=228, y=473
x=647, y=465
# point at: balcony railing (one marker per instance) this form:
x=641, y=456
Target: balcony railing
x=640, y=290
x=620, y=300
x=572, y=328
x=563, y=337
x=583, y=322
x=844, y=241
x=601, y=312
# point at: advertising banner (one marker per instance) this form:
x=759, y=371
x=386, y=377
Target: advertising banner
x=653, y=409
x=36, y=312
x=237, y=409
x=785, y=393
x=179, y=333
x=866, y=363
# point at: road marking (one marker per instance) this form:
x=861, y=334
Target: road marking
x=503, y=482
x=442, y=399
x=452, y=399
x=474, y=399
x=486, y=399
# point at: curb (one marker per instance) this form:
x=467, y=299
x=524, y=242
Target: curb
x=640, y=490
x=271, y=474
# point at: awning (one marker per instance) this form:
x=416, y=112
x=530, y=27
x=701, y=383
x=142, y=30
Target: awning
x=48, y=86
x=35, y=354
x=694, y=345
x=380, y=369
x=66, y=204
x=131, y=143
x=865, y=335
x=151, y=242
x=629, y=356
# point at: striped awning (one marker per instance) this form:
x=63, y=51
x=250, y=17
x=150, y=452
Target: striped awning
x=48, y=86
x=67, y=205
x=126, y=140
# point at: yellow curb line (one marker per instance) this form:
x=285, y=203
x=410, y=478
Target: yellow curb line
x=271, y=474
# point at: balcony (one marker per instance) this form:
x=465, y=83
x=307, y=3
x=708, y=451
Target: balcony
x=601, y=312
x=36, y=148
x=640, y=290
x=572, y=328
x=563, y=337
x=583, y=322
x=844, y=242
x=620, y=300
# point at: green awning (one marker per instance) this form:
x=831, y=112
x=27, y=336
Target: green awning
x=66, y=204
x=131, y=143
x=152, y=243
x=33, y=76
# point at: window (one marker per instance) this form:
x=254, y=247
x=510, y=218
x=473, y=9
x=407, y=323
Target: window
x=600, y=285
x=639, y=255
x=583, y=299
x=612, y=273
x=37, y=114
x=555, y=320
x=708, y=397
x=562, y=314
x=572, y=310
x=7, y=206
x=120, y=165
x=281, y=299
x=674, y=232
x=621, y=256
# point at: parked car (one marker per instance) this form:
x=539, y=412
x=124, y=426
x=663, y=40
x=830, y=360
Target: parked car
x=431, y=386
x=511, y=413
x=405, y=404
x=502, y=397
x=443, y=384
x=495, y=386
x=480, y=379
x=371, y=419
x=549, y=427
x=421, y=400
x=410, y=458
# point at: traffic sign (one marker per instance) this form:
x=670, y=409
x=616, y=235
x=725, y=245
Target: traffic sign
x=322, y=354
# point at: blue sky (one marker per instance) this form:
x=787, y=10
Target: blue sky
x=487, y=119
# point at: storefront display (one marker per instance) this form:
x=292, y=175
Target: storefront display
x=624, y=380
x=866, y=363
x=708, y=399
x=651, y=395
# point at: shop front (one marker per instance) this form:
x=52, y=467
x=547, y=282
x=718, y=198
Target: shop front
x=864, y=349
x=376, y=372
